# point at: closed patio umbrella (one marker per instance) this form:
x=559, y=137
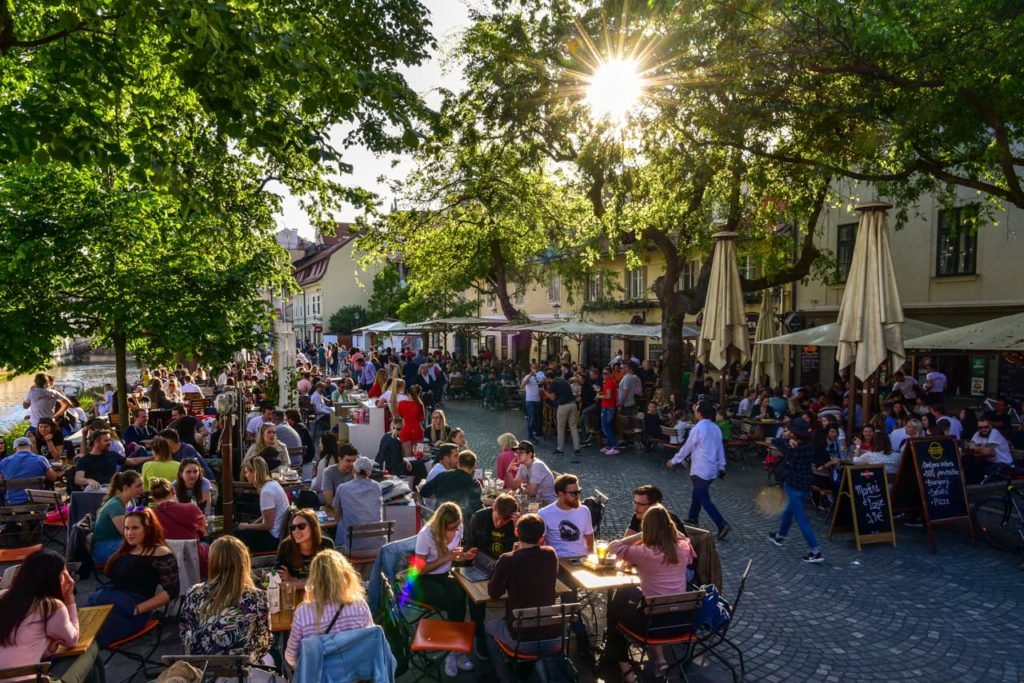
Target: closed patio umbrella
x=723, y=334
x=767, y=358
x=870, y=315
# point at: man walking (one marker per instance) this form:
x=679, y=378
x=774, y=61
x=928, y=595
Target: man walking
x=707, y=462
x=565, y=416
x=531, y=392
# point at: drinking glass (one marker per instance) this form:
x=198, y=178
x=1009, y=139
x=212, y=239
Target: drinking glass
x=602, y=550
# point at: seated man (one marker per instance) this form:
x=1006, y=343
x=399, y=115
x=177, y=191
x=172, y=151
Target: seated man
x=569, y=528
x=991, y=451
x=457, y=486
x=358, y=501
x=528, y=574
x=180, y=451
x=643, y=498
x=491, y=531
x=96, y=468
x=21, y=464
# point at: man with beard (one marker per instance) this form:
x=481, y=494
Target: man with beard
x=569, y=528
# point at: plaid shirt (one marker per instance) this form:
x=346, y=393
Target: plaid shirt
x=798, y=464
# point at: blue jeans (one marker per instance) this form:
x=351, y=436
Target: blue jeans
x=608, y=426
x=533, y=426
x=795, y=508
x=701, y=497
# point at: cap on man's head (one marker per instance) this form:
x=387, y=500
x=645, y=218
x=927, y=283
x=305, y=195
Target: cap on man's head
x=364, y=464
x=525, y=446
x=799, y=428
x=23, y=442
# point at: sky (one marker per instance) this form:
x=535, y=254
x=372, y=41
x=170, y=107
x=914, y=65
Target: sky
x=447, y=18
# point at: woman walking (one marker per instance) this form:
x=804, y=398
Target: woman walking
x=798, y=456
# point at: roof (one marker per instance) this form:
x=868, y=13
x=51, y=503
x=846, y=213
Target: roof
x=311, y=268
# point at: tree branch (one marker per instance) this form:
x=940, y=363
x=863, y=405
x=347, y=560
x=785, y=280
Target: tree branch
x=809, y=252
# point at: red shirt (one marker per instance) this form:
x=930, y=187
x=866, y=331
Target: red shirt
x=375, y=391
x=611, y=389
x=412, y=425
x=180, y=520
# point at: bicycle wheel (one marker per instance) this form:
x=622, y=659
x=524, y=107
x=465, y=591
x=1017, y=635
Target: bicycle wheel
x=988, y=520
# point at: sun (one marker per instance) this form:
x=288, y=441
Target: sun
x=614, y=89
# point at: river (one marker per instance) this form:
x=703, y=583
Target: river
x=13, y=391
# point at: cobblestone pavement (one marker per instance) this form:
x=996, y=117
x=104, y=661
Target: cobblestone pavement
x=883, y=614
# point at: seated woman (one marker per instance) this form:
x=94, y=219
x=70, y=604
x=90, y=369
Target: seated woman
x=507, y=442
x=438, y=545
x=48, y=438
x=162, y=465
x=304, y=542
x=328, y=457
x=335, y=601
x=38, y=613
x=881, y=453
x=438, y=432
x=661, y=556
x=108, y=530
x=389, y=452
x=180, y=521
x=264, y=534
x=228, y=615
x=142, y=563
x=192, y=487
x=266, y=440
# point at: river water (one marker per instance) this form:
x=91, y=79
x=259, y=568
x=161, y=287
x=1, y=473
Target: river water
x=13, y=391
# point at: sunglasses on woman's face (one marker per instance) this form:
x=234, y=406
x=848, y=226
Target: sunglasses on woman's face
x=302, y=526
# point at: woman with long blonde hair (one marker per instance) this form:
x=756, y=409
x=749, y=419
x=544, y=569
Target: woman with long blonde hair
x=266, y=438
x=412, y=413
x=380, y=381
x=227, y=615
x=265, y=533
x=335, y=601
x=438, y=431
x=661, y=555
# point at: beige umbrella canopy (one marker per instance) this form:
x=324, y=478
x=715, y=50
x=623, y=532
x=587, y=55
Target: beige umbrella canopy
x=767, y=358
x=870, y=315
x=1001, y=334
x=828, y=335
x=723, y=334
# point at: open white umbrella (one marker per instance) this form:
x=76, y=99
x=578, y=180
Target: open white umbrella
x=1001, y=334
x=723, y=334
x=870, y=315
x=828, y=335
x=767, y=358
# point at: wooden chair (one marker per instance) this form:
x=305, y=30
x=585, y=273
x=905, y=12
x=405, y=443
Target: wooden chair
x=39, y=670
x=295, y=455
x=21, y=525
x=363, y=560
x=9, y=486
x=630, y=429
x=56, y=517
x=197, y=406
x=679, y=632
x=527, y=652
x=456, y=387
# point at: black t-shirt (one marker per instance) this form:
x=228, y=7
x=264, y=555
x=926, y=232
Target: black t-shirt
x=529, y=576
x=284, y=559
x=41, y=449
x=634, y=524
x=486, y=538
x=135, y=434
x=589, y=395
x=102, y=467
x=562, y=391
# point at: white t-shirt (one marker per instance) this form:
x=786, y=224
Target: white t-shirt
x=1003, y=455
x=273, y=497
x=190, y=388
x=906, y=388
x=539, y=473
x=531, y=386
x=437, y=469
x=936, y=382
x=42, y=403
x=426, y=547
x=746, y=405
x=955, y=428
x=566, y=529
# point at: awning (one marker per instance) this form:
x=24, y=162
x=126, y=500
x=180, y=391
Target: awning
x=1001, y=334
x=828, y=335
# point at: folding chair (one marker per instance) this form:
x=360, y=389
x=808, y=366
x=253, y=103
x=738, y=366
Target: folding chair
x=20, y=529
x=709, y=642
x=9, y=486
x=426, y=647
x=528, y=618
x=39, y=670
x=152, y=630
x=657, y=633
x=56, y=518
x=362, y=560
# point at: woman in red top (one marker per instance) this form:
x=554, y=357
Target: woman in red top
x=412, y=413
x=180, y=521
x=378, y=384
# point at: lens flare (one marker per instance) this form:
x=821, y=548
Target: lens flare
x=614, y=89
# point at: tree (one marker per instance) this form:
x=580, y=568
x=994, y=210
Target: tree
x=654, y=182
x=910, y=95
x=389, y=293
x=347, y=318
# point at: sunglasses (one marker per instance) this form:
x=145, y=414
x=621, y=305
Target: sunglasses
x=572, y=493
x=298, y=527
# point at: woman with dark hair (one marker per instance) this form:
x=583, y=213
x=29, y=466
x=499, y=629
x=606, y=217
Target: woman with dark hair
x=305, y=539
x=328, y=457
x=38, y=614
x=107, y=532
x=661, y=555
x=180, y=521
x=798, y=456
x=158, y=397
x=142, y=563
x=49, y=440
x=191, y=486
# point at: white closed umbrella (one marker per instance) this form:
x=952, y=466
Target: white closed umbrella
x=870, y=315
x=767, y=358
x=723, y=334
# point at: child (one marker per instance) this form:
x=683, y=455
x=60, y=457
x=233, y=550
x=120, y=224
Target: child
x=725, y=424
x=681, y=426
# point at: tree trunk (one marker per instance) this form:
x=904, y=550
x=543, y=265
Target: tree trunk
x=671, y=351
x=121, y=368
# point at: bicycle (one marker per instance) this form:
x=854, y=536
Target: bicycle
x=1000, y=519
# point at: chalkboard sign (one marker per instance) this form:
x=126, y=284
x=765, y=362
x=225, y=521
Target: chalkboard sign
x=863, y=506
x=931, y=481
x=1011, y=376
x=810, y=363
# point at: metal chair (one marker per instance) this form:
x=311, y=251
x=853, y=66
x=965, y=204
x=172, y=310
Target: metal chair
x=709, y=642
x=670, y=621
x=527, y=619
x=362, y=560
x=39, y=670
x=55, y=518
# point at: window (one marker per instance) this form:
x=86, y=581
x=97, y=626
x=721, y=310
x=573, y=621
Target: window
x=490, y=300
x=689, y=276
x=748, y=268
x=554, y=289
x=958, y=242
x=594, y=290
x=520, y=295
x=316, y=304
x=636, y=283
x=845, y=240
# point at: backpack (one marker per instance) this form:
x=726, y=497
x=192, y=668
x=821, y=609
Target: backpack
x=716, y=611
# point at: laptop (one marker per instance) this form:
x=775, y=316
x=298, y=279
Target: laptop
x=481, y=569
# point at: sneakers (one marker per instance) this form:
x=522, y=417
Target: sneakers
x=463, y=662
x=612, y=451
x=451, y=665
x=813, y=557
x=691, y=522
x=559, y=451
x=775, y=539
x=724, y=531
x=577, y=452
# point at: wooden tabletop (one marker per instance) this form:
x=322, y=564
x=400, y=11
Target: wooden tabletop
x=593, y=581
x=90, y=621
x=282, y=621
x=476, y=591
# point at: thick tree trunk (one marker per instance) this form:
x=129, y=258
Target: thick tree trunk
x=121, y=368
x=671, y=351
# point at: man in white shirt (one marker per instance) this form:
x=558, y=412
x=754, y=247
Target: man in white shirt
x=935, y=383
x=190, y=387
x=903, y=387
x=707, y=455
x=570, y=530
x=747, y=404
x=531, y=392
x=265, y=416
x=954, y=427
x=991, y=451
x=447, y=459
x=898, y=436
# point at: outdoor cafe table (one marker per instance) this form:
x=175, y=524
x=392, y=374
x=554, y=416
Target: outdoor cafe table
x=477, y=593
x=90, y=621
x=597, y=582
x=760, y=429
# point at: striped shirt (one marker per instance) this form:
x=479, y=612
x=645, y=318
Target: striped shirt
x=354, y=615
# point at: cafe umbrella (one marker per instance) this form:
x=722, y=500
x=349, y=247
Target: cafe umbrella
x=766, y=360
x=870, y=314
x=723, y=333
